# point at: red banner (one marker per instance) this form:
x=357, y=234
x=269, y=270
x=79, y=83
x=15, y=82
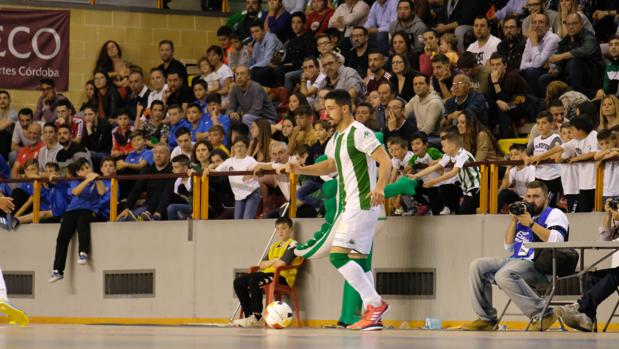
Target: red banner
x=34, y=45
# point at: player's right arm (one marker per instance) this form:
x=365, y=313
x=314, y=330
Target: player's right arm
x=319, y=169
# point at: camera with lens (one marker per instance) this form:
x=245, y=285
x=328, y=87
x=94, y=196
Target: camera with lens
x=520, y=207
x=613, y=203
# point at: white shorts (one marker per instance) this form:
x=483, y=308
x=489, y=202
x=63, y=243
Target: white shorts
x=355, y=230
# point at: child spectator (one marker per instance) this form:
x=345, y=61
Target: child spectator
x=321, y=130
x=199, y=88
x=180, y=206
x=303, y=132
x=216, y=118
x=246, y=189
x=569, y=173
x=216, y=136
x=80, y=212
x=447, y=46
x=154, y=129
x=25, y=190
x=121, y=136
x=468, y=176
x=540, y=150
x=581, y=148
x=238, y=54
x=137, y=159
x=185, y=145
x=514, y=185
x=220, y=193
x=608, y=150
x=54, y=198
x=400, y=156
x=196, y=120
x=177, y=121
x=248, y=288
x=427, y=156
x=208, y=75
x=108, y=169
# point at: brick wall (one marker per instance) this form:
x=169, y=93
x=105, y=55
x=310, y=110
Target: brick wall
x=138, y=35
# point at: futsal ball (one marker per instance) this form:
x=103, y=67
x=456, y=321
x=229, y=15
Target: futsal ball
x=278, y=315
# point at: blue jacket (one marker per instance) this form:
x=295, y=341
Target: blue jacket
x=173, y=128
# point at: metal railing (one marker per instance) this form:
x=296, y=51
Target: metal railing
x=488, y=186
x=200, y=190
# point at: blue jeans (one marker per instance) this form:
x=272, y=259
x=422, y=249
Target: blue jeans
x=248, y=119
x=305, y=191
x=179, y=211
x=513, y=277
x=248, y=207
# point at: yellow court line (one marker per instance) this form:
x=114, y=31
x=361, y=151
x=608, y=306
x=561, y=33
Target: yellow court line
x=447, y=324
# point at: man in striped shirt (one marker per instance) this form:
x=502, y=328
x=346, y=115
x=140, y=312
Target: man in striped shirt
x=467, y=176
x=353, y=152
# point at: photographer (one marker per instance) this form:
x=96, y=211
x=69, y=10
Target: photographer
x=532, y=221
x=601, y=283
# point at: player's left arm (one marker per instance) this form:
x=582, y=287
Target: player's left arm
x=384, y=170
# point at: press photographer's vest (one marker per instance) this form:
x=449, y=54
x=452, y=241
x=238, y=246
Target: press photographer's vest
x=525, y=234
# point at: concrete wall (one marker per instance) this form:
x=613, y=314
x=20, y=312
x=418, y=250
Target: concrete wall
x=195, y=265
x=138, y=35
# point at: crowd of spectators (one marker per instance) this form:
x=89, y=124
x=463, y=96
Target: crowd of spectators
x=421, y=72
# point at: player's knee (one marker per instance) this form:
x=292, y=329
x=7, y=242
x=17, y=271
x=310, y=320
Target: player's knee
x=338, y=259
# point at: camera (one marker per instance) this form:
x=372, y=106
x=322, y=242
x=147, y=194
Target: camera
x=518, y=208
x=613, y=203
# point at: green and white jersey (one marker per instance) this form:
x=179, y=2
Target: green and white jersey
x=468, y=176
x=351, y=150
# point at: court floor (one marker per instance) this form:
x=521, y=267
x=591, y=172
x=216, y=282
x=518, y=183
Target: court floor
x=186, y=337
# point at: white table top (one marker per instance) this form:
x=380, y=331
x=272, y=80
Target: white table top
x=609, y=245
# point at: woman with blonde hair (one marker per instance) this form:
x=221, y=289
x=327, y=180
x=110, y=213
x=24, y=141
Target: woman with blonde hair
x=567, y=7
x=609, y=113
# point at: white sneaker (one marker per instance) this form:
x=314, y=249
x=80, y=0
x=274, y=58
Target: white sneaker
x=445, y=211
x=250, y=321
x=82, y=259
x=56, y=276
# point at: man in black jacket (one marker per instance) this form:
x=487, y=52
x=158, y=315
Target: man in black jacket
x=158, y=191
x=298, y=47
x=166, y=53
x=579, y=58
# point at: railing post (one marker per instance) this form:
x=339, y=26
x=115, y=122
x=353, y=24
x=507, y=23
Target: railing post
x=292, y=209
x=113, y=199
x=197, y=196
x=204, y=191
x=599, y=187
x=93, y=2
x=483, y=188
x=36, y=200
x=160, y=4
x=494, y=186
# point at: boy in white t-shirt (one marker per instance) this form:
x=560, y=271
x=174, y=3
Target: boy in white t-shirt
x=246, y=189
x=514, y=185
x=581, y=148
x=547, y=140
x=609, y=150
x=569, y=173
